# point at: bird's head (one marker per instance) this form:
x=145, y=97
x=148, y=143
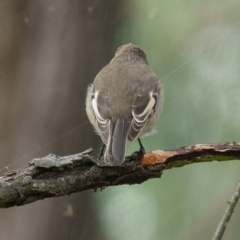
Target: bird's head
x=130, y=51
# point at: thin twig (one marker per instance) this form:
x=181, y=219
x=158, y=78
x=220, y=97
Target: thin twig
x=228, y=213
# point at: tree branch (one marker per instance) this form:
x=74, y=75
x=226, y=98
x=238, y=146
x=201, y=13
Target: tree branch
x=228, y=213
x=53, y=176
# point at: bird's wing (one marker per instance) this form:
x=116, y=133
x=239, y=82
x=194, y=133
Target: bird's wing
x=142, y=108
x=113, y=134
x=101, y=110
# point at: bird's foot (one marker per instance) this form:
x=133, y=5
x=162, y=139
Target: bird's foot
x=142, y=149
x=101, y=152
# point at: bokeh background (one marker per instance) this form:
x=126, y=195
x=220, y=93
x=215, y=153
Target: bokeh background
x=50, y=50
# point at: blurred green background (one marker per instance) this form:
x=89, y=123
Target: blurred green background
x=194, y=48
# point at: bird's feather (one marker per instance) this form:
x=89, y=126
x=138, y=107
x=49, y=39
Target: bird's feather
x=101, y=110
x=116, y=145
x=143, y=107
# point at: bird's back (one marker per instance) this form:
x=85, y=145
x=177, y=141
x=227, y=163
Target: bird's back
x=126, y=79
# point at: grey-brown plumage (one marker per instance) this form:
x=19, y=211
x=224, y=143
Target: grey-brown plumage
x=124, y=101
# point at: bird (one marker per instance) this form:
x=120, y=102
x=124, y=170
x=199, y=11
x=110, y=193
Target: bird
x=124, y=101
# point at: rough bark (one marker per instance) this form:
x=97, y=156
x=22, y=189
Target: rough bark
x=53, y=176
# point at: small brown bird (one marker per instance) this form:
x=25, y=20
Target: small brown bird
x=124, y=101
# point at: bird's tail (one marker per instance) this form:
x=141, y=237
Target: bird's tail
x=115, y=151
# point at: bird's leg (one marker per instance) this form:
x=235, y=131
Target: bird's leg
x=101, y=152
x=142, y=149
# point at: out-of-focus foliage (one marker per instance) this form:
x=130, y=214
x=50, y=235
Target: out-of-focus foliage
x=194, y=48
